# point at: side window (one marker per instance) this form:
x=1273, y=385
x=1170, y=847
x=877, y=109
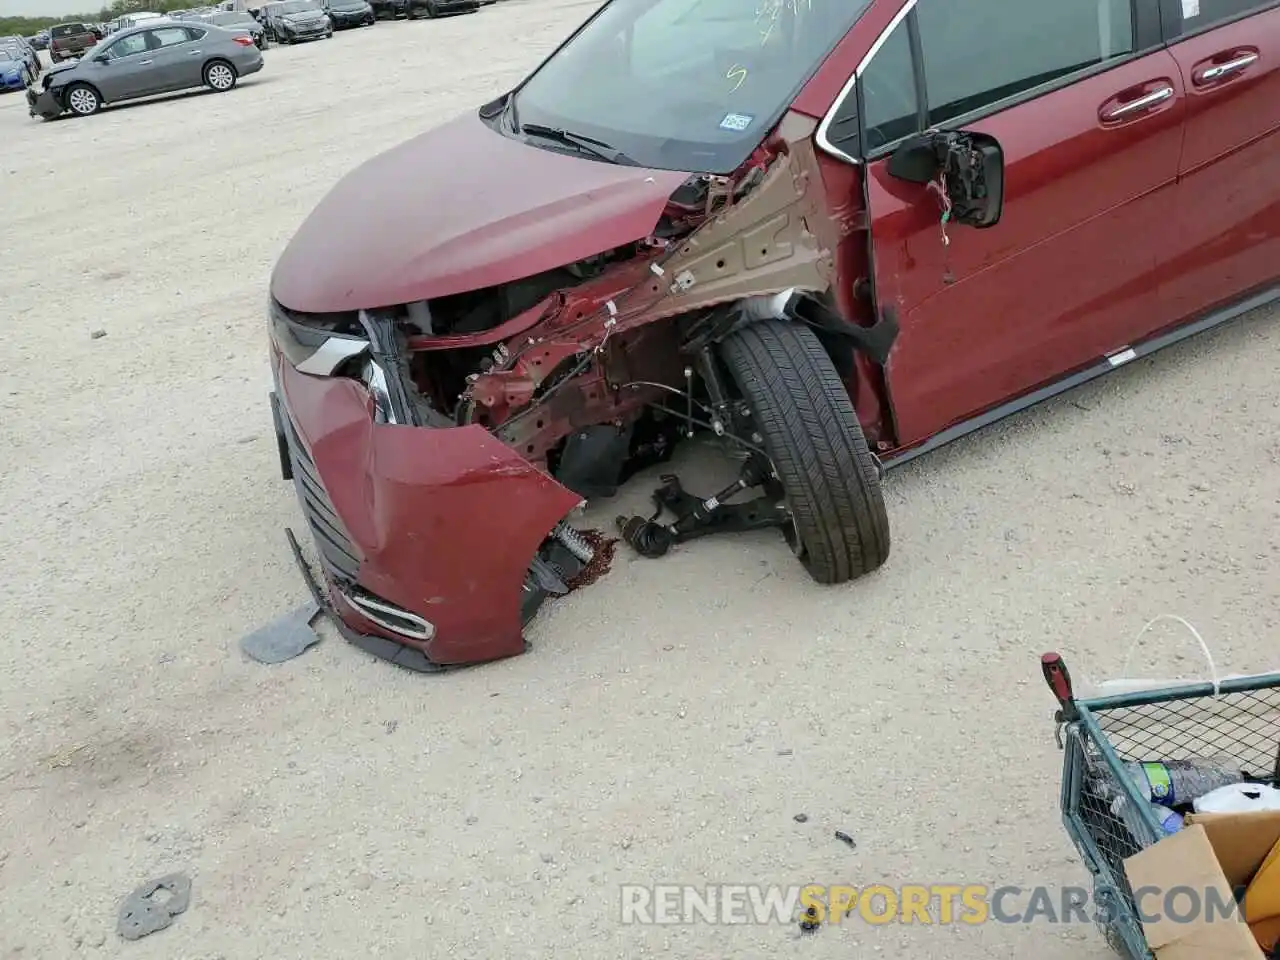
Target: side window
x=127, y=46
x=981, y=51
x=985, y=50
x=195, y=33
x=170, y=36
x=1200, y=15
x=889, y=92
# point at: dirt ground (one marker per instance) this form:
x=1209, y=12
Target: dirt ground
x=670, y=721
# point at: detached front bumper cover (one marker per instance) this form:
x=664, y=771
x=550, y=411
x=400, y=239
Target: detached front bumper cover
x=425, y=534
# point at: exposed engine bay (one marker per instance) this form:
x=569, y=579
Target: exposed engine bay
x=570, y=368
x=596, y=369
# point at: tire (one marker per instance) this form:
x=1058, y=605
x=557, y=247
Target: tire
x=811, y=433
x=220, y=76
x=83, y=100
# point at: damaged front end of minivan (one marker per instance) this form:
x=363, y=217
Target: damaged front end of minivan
x=439, y=446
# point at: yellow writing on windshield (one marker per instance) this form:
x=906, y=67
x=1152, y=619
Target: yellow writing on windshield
x=739, y=73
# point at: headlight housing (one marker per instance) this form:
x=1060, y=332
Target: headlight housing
x=314, y=348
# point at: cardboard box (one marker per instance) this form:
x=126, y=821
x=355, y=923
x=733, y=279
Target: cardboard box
x=1214, y=851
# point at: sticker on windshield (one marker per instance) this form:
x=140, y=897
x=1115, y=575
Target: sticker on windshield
x=736, y=122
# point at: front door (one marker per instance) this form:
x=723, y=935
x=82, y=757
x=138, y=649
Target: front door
x=123, y=70
x=1088, y=108
x=1228, y=229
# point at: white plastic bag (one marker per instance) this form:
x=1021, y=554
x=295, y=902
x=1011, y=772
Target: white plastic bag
x=1238, y=798
x=1126, y=684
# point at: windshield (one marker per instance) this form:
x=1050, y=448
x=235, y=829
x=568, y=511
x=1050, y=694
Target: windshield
x=11, y=55
x=295, y=6
x=69, y=30
x=685, y=84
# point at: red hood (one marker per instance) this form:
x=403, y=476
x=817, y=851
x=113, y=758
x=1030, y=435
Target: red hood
x=459, y=208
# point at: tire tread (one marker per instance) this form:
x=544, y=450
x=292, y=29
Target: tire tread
x=811, y=433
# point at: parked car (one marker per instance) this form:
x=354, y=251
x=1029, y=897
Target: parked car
x=28, y=52
x=140, y=16
x=349, y=13
x=15, y=72
x=440, y=8
x=163, y=57
x=291, y=21
x=390, y=9
x=876, y=228
x=70, y=40
x=39, y=41
x=235, y=21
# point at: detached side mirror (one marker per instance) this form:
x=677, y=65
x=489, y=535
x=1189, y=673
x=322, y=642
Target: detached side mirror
x=972, y=165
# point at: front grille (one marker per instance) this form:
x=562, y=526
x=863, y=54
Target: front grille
x=337, y=554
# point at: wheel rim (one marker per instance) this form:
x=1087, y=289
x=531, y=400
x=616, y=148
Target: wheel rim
x=83, y=101
x=221, y=77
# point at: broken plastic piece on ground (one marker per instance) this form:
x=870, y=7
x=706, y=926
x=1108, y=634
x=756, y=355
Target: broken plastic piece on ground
x=142, y=913
x=846, y=839
x=285, y=637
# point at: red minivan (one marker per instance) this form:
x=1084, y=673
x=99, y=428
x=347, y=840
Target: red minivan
x=832, y=235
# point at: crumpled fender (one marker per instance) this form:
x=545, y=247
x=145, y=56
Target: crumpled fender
x=445, y=520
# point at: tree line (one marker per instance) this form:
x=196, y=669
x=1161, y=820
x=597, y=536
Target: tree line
x=26, y=26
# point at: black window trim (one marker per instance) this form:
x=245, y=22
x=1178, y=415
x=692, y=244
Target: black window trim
x=1148, y=33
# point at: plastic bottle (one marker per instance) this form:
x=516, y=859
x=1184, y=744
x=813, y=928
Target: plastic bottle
x=1164, y=785
x=1170, y=820
x=1177, y=782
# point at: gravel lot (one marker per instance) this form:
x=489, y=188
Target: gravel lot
x=670, y=721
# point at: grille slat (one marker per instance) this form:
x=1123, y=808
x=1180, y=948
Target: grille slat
x=337, y=553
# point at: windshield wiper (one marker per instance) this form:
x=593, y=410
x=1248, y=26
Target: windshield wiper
x=597, y=148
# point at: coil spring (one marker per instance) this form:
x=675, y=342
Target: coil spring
x=574, y=542
x=645, y=537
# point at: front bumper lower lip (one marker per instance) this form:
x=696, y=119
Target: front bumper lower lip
x=426, y=529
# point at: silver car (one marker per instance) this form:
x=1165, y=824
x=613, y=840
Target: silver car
x=161, y=56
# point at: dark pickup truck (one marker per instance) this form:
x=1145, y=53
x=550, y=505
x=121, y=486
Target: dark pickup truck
x=70, y=40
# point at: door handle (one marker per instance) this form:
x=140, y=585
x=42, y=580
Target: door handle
x=1137, y=106
x=1220, y=70
x=143, y=63
x=194, y=53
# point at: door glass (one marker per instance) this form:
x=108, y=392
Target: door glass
x=889, y=91
x=170, y=36
x=982, y=51
x=127, y=46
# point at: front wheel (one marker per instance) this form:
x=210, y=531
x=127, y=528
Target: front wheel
x=220, y=76
x=83, y=100
x=810, y=431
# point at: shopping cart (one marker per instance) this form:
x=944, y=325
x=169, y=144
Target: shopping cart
x=1237, y=717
